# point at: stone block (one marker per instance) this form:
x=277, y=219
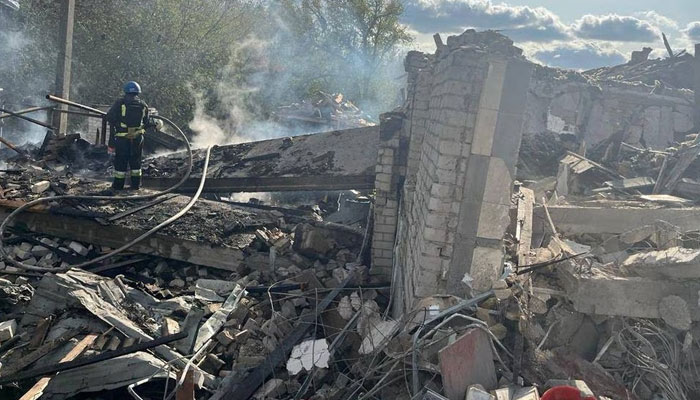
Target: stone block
x=8, y=329
x=486, y=267
x=78, y=248
x=40, y=187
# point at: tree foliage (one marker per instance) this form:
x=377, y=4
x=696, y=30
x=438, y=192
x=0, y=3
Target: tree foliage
x=179, y=48
x=343, y=45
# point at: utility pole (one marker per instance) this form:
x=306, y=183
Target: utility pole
x=63, y=66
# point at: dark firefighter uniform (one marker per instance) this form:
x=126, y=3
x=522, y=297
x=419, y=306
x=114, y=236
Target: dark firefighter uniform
x=128, y=119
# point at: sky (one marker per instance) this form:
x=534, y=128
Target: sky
x=576, y=34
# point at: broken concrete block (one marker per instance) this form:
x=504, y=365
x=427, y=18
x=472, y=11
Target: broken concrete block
x=113, y=343
x=675, y=262
x=476, y=393
x=78, y=248
x=273, y=388
x=7, y=329
x=40, y=187
x=674, y=311
x=49, y=242
x=345, y=308
x=212, y=364
x=467, y=361
x=22, y=254
x=526, y=393
x=307, y=355
x=379, y=334
x=169, y=327
x=638, y=297
x=226, y=337
x=31, y=261
x=177, y=283
x=40, y=251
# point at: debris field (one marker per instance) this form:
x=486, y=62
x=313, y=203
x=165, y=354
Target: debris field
x=511, y=232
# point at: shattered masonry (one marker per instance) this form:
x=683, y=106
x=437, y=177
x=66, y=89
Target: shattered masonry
x=509, y=231
x=462, y=127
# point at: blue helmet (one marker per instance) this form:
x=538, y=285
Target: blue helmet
x=132, y=88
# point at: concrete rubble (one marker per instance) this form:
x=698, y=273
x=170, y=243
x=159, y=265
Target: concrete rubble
x=510, y=232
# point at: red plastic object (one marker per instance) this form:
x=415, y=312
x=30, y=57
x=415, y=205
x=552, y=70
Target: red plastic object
x=564, y=393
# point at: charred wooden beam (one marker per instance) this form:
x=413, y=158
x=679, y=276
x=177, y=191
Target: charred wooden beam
x=266, y=184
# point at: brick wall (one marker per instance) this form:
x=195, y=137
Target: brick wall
x=461, y=129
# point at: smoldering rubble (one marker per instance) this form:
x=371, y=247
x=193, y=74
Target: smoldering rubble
x=512, y=231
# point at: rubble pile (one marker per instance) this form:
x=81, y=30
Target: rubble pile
x=449, y=279
x=674, y=72
x=332, y=111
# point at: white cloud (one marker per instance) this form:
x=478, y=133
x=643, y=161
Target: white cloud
x=591, y=41
x=617, y=28
x=657, y=19
x=578, y=55
x=692, y=31
x=524, y=23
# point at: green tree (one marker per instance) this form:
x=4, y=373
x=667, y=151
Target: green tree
x=342, y=45
x=171, y=47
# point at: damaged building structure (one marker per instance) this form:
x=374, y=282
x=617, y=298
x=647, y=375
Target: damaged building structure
x=512, y=230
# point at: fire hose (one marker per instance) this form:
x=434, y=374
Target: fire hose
x=4, y=255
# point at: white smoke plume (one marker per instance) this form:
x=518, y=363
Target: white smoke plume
x=238, y=115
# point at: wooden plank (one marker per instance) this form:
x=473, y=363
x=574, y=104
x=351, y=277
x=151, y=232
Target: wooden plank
x=266, y=184
x=526, y=204
x=38, y=389
x=43, y=350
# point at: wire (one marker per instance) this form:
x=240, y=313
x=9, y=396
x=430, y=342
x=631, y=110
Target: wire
x=5, y=223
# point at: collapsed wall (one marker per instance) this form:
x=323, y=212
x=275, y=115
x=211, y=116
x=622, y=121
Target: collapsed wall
x=593, y=110
x=446, y=167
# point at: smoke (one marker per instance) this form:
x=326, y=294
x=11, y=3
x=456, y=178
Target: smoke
x=238, y=115
x=277, y=66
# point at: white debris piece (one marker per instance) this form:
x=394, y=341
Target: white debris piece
x=478, y=393
x=355, y=301
x=307, y=355
x=378, y=335
x=345, y=308
x=78, y=248
x=40, y=187
x=7, y=329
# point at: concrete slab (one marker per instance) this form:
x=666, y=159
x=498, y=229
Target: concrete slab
x=578, y=220
x=676, y=262
x=636, y=297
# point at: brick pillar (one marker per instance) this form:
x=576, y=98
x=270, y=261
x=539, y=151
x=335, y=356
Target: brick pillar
x=484, y=211
x=390, y=171
x=461, y=166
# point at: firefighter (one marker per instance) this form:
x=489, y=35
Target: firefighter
x=128, y=120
